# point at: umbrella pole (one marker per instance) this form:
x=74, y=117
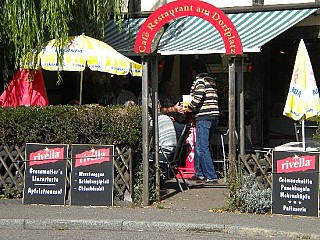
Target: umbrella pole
x=303, y=136
x=81, y=79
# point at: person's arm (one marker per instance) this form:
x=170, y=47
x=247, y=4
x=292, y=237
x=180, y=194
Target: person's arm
x=198, y=92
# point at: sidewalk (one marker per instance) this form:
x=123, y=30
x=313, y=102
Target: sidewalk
x=179, y=211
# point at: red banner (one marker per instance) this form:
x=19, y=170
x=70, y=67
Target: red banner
x=47, y=155
x=182, y=8
x=296, y=164
x=92, y=156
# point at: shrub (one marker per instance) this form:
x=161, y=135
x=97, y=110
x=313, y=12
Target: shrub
x=234, y=185
x=86, y=124
x=138, y=185
x=255, y=200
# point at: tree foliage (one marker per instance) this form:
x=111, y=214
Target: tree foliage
x=26, y=24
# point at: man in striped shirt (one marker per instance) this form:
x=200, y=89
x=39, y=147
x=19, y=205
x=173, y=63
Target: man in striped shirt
x=205, y=109
x=167, y=136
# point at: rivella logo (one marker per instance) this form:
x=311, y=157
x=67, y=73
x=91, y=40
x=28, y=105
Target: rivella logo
x=296, y=164
x=92, y=156
x=47, y=155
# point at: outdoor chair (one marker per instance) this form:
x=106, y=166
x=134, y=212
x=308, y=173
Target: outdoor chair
x=221, y=144
x=172, y=161
x=309, y=128
x=219, y=147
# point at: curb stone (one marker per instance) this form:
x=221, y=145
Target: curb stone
x=123, y=225
x=88, y=224
x=12, y=224
x=245, y=231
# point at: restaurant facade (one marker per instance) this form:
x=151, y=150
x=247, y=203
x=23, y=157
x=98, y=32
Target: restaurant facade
x=270, y=32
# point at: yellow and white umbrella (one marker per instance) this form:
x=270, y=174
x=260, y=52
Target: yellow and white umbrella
x=303, y=97
x=80, y=52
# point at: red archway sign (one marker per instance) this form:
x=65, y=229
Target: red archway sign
x=182, y=8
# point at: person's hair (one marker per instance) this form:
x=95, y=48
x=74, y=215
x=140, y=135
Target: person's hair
x=163, y=86
x=129, y=103
x=199, y=66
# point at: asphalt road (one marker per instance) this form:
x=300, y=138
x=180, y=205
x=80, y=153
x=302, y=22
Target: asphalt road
x=121, y=235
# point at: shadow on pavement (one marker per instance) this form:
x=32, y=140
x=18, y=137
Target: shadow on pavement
x=200, y=196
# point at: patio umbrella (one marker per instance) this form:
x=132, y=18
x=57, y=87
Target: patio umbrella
x=303, y=97
x=80, y=52
x=23, y=92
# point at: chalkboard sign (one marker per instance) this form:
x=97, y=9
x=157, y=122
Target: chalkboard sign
x=295, y=183
x=92, y=175
x=45, y=174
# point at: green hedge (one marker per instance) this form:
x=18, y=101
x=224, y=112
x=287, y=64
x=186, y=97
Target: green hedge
x=86, y=124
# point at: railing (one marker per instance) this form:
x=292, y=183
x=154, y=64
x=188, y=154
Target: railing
x=12, y=170
x=260, y=164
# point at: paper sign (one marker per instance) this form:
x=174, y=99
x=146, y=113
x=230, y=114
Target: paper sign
x=186, y=100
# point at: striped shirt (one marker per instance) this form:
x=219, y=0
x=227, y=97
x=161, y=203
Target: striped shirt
x=204, y=104
x=167, y=133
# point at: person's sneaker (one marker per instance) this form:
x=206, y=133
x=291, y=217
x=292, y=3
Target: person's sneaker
x=194, y=177
x=211, y=181
x=201, y=180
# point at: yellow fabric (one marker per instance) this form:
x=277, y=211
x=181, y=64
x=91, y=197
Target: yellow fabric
x=83, y=51
x=303, y=97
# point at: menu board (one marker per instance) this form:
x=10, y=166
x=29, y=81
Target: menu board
x=92, y=175
x=45, y=174
x=295, y=183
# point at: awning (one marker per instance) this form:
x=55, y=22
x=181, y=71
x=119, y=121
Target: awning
x=192, y=35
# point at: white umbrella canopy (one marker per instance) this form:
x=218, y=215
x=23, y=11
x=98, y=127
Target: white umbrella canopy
x=80, y=52
x=303, y=98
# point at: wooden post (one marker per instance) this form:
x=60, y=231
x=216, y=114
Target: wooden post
x=154, y=79
x=232, y=128
x=145, y=133
x=240, y=107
